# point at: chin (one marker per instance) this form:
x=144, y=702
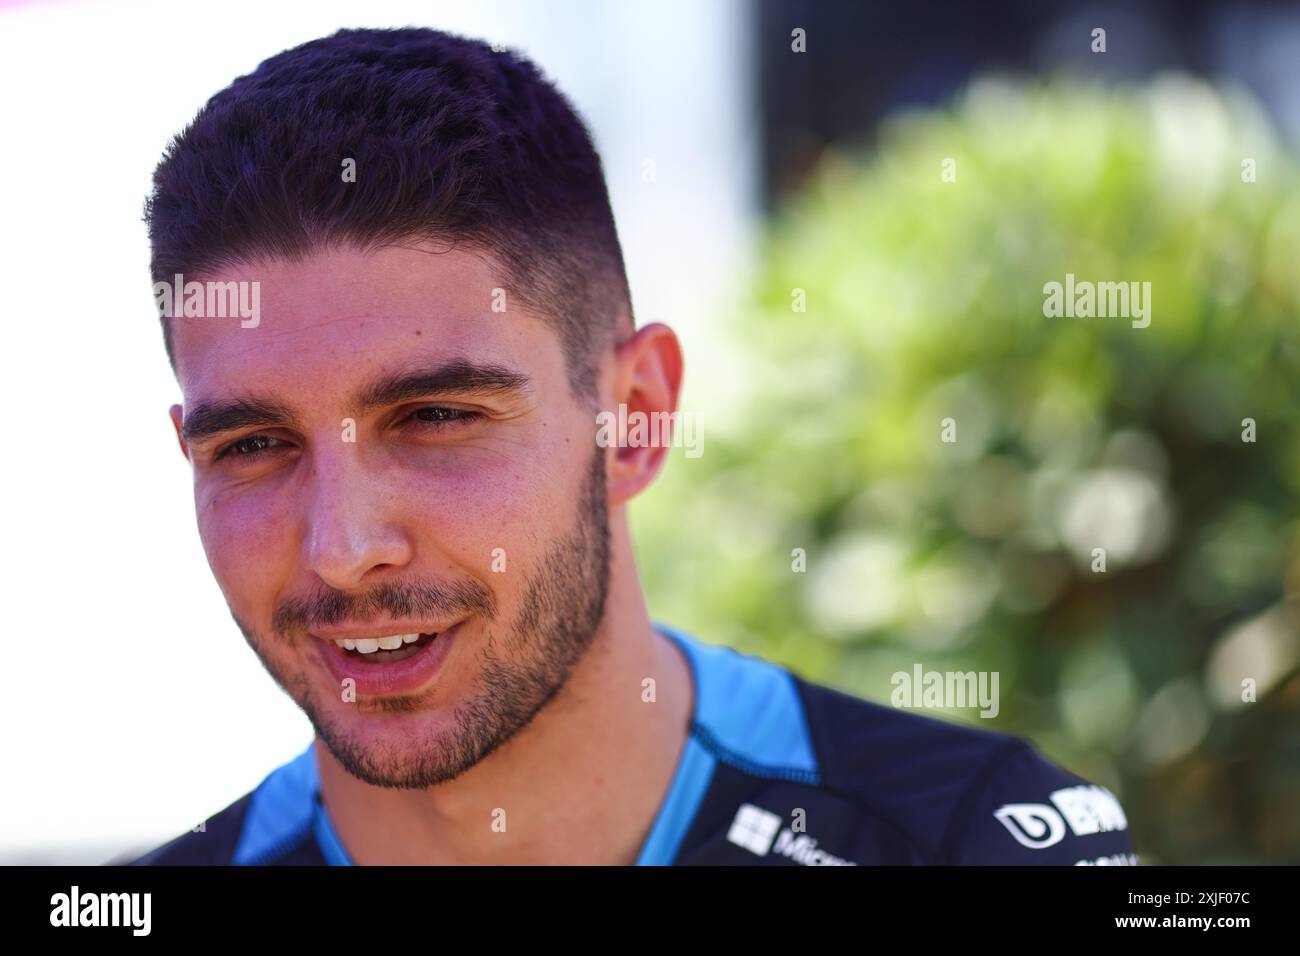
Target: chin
x=415, y=748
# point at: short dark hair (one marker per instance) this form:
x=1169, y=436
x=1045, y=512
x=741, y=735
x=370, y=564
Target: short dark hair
x=453, y=141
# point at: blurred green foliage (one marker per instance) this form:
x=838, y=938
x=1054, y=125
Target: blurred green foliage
x=924, y=301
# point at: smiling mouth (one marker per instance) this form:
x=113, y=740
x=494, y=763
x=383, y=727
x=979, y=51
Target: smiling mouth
x=385, y=650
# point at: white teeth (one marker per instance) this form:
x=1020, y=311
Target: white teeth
x=368, y=645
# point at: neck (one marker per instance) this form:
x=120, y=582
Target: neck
x=580, y=784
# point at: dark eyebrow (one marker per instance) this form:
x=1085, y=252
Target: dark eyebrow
x=459, y=378
x=213, y=418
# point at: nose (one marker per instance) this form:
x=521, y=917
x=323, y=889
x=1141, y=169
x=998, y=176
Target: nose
x=354, y=532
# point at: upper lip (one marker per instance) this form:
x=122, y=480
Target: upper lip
x=384, y=629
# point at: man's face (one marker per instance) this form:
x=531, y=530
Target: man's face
x=383, y=455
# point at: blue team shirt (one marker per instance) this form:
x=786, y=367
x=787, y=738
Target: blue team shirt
x=776, y=771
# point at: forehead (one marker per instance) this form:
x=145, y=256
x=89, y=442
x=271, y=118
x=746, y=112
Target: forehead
x=340, y=315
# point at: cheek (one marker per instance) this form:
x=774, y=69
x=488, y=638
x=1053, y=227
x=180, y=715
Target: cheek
x=469, y=510
x=247, y=542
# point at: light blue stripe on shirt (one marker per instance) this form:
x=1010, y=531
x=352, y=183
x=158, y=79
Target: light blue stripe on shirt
x=746, y=713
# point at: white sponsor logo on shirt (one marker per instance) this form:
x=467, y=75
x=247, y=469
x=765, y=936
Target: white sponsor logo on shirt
x=1085, y=809
x=759, y=831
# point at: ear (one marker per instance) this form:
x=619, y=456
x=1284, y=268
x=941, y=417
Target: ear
x=178, y=416
x=647, y=379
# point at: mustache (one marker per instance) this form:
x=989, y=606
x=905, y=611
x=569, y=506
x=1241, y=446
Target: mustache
x=328, y=606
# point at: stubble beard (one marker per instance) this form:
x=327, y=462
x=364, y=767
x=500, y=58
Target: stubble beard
x=558, y=621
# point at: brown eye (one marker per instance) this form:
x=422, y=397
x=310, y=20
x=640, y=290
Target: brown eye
x=435, y=414
x=440, y=416
x=249, y=447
